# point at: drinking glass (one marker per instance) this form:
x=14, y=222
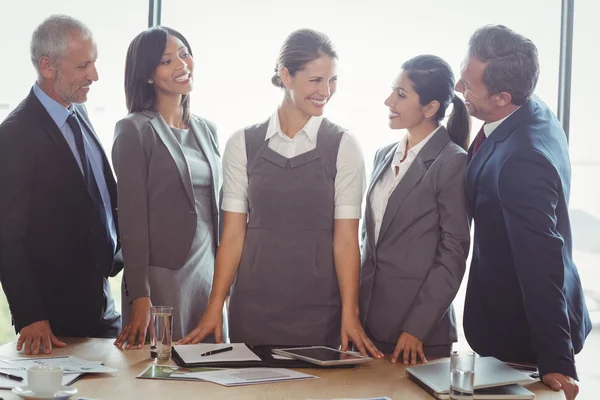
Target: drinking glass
x=462, y=375
x=161, y=332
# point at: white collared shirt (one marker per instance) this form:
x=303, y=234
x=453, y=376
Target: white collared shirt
x=350, y=180
x=490, y=127
x=389, y=179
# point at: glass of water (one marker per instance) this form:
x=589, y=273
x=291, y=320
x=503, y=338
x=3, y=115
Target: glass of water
x=161, y=332
x=462, y=375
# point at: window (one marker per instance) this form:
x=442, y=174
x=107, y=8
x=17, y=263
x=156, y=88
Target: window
x=584, y=147
x=236, y=44
x=114, y=24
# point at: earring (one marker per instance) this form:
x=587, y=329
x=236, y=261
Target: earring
x=150, y=81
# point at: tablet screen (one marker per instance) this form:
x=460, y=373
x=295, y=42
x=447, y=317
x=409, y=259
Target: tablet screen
x=324, y=354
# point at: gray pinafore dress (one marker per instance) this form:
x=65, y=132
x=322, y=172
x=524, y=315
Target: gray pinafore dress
x=286, y=290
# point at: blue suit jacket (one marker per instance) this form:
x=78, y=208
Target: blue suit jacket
x=524, y=297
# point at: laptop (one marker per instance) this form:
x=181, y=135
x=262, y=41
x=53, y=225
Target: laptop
x=493, y=379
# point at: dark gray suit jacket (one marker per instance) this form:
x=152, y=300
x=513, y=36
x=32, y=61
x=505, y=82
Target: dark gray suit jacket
x=411, y=275
x=55, y=256
x=150, y=165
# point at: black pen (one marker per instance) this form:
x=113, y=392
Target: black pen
x=210, y=353
x=9, y=376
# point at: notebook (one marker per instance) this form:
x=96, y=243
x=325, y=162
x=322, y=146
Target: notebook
x=260, y=356
x=193, y=353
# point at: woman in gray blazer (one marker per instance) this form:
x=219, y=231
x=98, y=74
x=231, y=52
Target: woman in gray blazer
x=416, y=229
x=168, y=172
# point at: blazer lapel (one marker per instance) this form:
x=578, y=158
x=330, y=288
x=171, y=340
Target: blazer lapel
x=381, y=168
x=377, y=174
x=164, y=133
x=210, y=150
x=487, y=148
x=55, y=133
x=413, y=176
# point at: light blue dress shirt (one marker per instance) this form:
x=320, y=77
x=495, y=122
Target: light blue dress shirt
x=59, y=114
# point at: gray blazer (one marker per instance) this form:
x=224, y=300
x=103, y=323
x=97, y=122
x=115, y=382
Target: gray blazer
x=411, y=275
x=155, y=194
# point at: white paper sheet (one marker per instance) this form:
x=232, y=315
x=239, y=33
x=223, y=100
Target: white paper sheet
x=251, y=376
x=190, y=353
x=69, y=364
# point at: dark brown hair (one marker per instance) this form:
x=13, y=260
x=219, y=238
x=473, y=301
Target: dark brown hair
x=143, y=57
x=300, y=48
x=512, y=61
x=433, y=79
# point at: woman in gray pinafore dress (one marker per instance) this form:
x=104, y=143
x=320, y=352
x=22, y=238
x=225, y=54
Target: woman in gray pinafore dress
x=168, y=173
x=291, y=195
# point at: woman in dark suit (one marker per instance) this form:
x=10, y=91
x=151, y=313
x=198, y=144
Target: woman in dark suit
x=416, y=231
x=168, y=171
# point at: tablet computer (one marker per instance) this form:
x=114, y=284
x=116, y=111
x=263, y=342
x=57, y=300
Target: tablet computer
x=321, y=355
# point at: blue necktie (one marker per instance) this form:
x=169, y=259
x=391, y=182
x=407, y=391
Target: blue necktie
x=88, y=173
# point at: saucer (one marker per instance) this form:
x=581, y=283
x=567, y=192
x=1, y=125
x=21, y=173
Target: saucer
x=64, y=393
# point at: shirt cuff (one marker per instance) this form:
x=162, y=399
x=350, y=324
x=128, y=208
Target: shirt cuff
x=346, y=212
x=234, y=205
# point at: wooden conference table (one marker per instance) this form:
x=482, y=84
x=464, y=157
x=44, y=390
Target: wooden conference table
x=377, y=378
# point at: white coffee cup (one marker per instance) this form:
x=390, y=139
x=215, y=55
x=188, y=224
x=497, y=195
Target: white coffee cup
x=44, y=380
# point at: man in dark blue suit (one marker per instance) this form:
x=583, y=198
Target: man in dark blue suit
x=524, y=298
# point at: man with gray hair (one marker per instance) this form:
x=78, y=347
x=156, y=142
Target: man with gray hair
x=524, y=297
x=58, y=233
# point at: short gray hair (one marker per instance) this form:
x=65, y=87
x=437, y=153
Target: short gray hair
x=512, y=61
x=51, y=38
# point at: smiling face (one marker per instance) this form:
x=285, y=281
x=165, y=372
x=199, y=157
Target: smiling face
x=68, y=79
x=477, y=99
x=174, y=74
x=313, y=86
x=406, y=111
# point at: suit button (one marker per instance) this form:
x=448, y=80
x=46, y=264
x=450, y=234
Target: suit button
x=97, y=265
x=93, y=231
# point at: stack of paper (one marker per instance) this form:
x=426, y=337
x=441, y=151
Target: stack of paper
x=250, y=376
x=73, y=368
x=69, y=364
x=225, y=377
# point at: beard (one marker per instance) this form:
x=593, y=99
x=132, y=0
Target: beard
x=65, y=92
